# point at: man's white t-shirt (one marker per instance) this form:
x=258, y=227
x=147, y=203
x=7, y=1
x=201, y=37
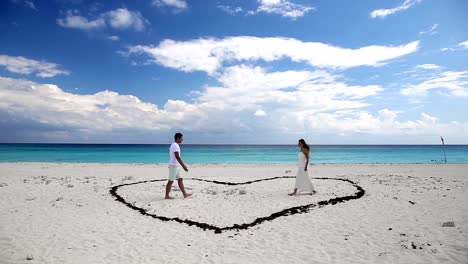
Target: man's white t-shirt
x=174, y=148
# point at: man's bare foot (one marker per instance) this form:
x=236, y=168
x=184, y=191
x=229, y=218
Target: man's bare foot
x=168, y=197
x=313, y=192
x=187, y=195
x=292, y=194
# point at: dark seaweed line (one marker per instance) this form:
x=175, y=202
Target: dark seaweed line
x=290, y=211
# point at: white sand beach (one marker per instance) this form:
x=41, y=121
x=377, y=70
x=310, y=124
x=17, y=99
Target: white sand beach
x=65, y=213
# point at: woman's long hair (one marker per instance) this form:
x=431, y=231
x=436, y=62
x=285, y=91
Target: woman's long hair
x=304, y=144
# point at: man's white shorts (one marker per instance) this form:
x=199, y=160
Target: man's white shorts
x=174, y=172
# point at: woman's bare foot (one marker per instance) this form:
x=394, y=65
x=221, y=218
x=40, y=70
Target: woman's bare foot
x=313, y=192
x=292, y=194
x=168, y=197
x=187, y=195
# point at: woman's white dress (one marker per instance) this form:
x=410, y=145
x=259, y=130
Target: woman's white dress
x=303, y=182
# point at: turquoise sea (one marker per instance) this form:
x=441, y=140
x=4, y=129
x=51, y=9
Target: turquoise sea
x=158, y=153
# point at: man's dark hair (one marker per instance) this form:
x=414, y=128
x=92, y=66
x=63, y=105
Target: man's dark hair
x=178, y=135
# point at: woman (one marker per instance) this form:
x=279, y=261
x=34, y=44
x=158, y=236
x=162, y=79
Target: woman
x=303, y=182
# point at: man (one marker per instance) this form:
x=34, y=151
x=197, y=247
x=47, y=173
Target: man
x=174, y=168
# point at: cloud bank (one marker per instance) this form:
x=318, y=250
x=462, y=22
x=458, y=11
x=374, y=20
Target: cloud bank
x=248, y=100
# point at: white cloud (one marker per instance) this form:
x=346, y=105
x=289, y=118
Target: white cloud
x=388, y=115
x=459, y=46
x=24, y=65
x=428, y=67
x=463, y=45
x=30, y=4
x=232, y=10
x=455, y=83
x=113, y=38
x=26, y=3
x=428, y=118
x=301, y=92
x=284, y=8
x=120, y=18
x=209, y=54
x=431, y=31
x=260, y=113
x=382, y=13
x=72, y=20
x=381, y=125
x=49, y=105
x=179, y=4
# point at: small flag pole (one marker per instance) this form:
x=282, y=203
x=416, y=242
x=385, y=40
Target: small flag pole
x=443, y=147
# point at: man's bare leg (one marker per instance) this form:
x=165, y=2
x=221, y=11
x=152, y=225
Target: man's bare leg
x=182, y=188
x=168, y=189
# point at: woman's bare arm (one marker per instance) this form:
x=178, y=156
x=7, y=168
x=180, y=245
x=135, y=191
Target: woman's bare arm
x=306, y=154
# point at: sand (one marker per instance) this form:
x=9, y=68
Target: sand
x=362, y=213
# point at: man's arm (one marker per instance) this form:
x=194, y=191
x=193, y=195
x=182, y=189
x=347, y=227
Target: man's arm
x=179, y=159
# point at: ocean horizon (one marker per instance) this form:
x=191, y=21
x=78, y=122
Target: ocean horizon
x=230, y=153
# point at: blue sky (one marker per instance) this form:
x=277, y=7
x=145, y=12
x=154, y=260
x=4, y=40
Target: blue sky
x=237, y=71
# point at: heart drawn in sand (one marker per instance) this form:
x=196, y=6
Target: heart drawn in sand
x=229, y=206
